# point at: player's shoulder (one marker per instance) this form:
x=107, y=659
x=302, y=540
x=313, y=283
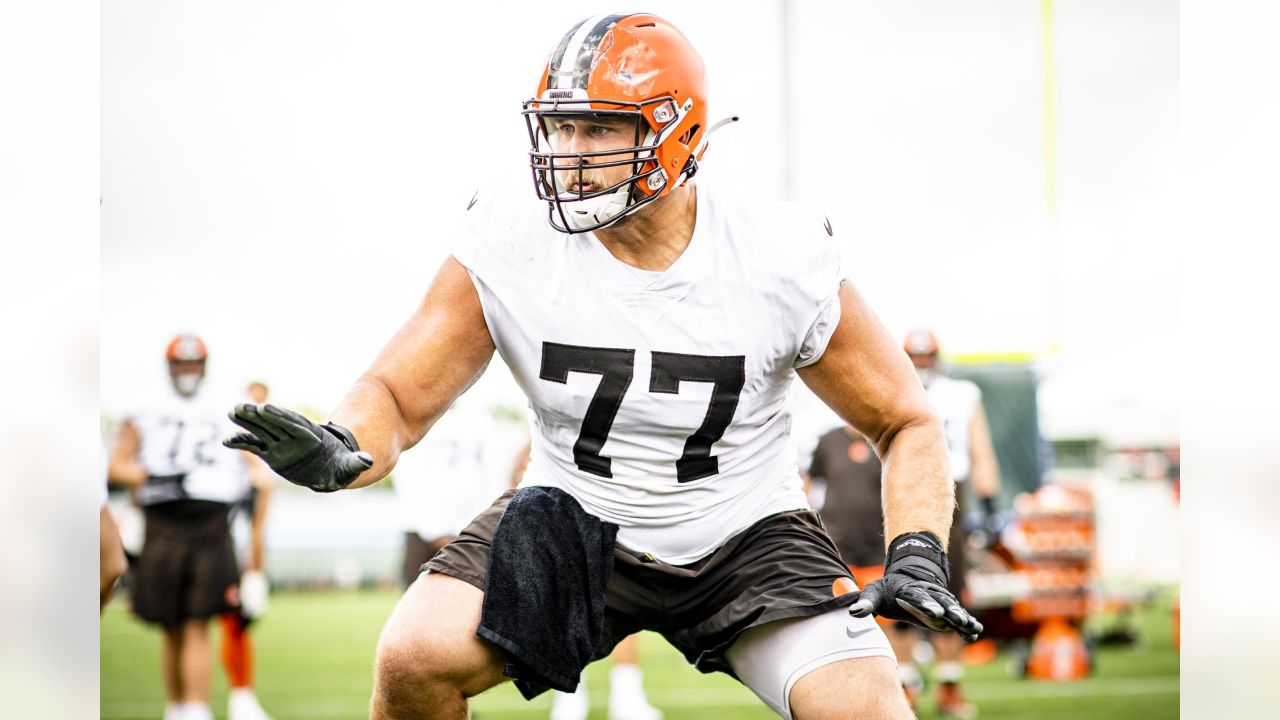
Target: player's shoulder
x=789, y=246
x=501, y=205
x=777, y=236
x=499, y=221
x=774, y=223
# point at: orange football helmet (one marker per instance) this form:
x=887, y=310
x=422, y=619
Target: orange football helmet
x=920, y=342
x=636, y=66
x=186, y=347
x=186, y=354
x=922, y=348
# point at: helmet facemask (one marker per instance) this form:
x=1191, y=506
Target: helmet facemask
x=556, y=175
x=186, y=376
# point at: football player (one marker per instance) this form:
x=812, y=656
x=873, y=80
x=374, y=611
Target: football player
x=973, y=462
x=655, y=326
x=185, y=483
x=448, y=478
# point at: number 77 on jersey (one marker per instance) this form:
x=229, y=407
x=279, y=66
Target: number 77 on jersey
x=616, y=368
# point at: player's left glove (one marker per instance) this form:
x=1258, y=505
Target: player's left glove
x=324, y=458
x=914, y=589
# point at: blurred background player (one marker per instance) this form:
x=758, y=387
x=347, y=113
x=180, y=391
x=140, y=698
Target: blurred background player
x=845, y=482
x=844, y=485
x=447, y=479
x=111, y=560
x=185, y=482
x=248, y=530
x=976, y=472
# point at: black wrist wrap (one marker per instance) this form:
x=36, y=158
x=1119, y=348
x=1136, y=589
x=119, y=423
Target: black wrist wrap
x=918, y=555
x=343, y=435
x=317, y=469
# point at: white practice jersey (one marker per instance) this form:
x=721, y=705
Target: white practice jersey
x=956, y=401
x=183, y=436
x=660, y=400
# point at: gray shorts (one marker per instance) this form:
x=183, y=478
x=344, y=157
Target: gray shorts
x=782, y=567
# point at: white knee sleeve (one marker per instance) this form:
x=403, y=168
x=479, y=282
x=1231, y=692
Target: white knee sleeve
x=771, y=658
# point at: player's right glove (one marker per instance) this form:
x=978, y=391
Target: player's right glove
x=324, y=458
x=914, y=589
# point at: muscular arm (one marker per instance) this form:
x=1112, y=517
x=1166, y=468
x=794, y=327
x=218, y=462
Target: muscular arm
x=984, y=469
x=866, y=378
x=442, y=349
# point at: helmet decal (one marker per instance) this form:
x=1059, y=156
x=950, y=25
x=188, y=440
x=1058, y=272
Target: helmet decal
x=570, y=65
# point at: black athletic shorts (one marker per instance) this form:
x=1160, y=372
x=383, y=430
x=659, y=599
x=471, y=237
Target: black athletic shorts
x=783, y=566
x=416, y=554
x=187, y=570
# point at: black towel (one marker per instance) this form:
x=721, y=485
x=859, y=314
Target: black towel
x=549, y=562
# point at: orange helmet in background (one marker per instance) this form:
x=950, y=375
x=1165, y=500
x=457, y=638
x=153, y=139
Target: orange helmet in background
x=186, y=347
x=628, y=65
x=922, y=347
x=186, y=354
x=920, y=342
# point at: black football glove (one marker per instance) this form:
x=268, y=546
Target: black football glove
x=914, y=589
x=321, y=457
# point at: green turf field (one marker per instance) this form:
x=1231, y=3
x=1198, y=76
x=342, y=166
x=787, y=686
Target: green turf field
x=315, y=654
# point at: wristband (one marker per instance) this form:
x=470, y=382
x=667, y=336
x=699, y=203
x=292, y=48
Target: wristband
x=907, y=547
x=344, y=435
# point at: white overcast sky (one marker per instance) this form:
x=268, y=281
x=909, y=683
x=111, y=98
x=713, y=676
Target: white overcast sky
x=279, y=176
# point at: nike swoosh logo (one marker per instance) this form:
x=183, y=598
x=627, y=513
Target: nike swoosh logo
x=636, y=78
x=473, y=199
x=855, y=635
x=826, y=223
